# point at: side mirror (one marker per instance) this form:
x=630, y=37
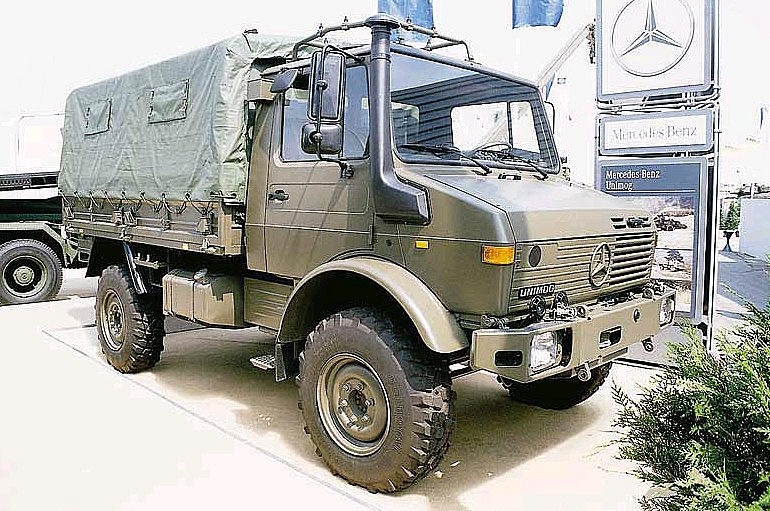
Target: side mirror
x=326, y=140
x=551, y=114
x=327, y=86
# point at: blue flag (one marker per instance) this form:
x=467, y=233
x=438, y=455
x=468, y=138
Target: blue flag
x=536, y=13
x=419, y=11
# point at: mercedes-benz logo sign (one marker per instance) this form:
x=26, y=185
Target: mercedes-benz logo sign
x=599, y=268
x=649, y=37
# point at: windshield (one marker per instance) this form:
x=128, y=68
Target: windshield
x=443, y=113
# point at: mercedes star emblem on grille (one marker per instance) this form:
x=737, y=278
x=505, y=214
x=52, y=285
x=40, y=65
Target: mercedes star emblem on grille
x=599, y=268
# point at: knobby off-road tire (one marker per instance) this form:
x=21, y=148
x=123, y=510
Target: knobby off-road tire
x=30, y=271
x=363, y=366
x=129, y=325
x=557, y=393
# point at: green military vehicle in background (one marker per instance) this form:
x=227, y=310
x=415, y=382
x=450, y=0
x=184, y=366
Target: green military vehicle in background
x=395, y=217
x=33, y=248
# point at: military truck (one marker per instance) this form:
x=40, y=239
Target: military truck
x=665, y=222
x=33, y=248
x=396, y=217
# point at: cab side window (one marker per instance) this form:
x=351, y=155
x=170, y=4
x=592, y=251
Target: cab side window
x=294, y=117
x=355, y=137
x=356, y=120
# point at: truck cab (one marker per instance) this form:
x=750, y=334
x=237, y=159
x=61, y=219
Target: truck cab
x=463, y=189
x=405, y=220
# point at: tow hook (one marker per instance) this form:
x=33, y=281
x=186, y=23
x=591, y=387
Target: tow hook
x=648, y=345
x=584, y=372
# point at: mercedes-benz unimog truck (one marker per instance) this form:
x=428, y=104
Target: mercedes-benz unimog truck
x=394, y=217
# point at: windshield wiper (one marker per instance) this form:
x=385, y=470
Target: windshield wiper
x=447, y=149
x=507, y=154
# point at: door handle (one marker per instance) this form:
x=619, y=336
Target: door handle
x=278, y=196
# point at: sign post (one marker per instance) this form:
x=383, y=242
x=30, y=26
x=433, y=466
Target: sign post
x=658, y=136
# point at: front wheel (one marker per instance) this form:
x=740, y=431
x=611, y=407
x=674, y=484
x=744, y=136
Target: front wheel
x=557, y=393
x=376, y=403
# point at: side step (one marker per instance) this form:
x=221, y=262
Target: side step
x=266, y=362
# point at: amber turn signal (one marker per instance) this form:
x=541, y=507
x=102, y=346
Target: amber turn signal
x=497, y=255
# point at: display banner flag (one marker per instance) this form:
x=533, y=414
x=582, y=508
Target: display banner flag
x=535, y=13
x=420, y=12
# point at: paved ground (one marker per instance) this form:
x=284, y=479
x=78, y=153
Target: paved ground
x=205, y=430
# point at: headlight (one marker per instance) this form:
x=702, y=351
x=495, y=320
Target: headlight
x=545, y=351
x=666, y=311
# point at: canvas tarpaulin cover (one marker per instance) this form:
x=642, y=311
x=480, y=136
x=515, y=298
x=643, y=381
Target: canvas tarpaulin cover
x=175, y=129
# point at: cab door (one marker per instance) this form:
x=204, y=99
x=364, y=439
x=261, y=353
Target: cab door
x=312, y=214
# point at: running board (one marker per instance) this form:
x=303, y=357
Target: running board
x=266, y=362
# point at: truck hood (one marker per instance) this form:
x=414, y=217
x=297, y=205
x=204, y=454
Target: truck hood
x=549, y=209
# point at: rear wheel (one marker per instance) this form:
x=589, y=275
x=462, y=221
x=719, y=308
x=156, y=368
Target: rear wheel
x=376, y=403
x=129, y=325
x=557, y=393
x=30, y=271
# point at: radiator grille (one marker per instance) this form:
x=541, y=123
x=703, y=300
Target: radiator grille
x=567, y=265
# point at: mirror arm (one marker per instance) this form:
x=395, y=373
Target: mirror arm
x=349, y=55
x=346, y=171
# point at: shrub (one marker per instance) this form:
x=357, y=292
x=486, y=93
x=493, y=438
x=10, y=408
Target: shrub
x=730, y=220
x=700, y=432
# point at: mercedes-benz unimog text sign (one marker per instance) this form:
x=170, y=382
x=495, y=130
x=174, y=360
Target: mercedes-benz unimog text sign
x=397, y=218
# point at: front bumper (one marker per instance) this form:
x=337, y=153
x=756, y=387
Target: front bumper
x=604, y=332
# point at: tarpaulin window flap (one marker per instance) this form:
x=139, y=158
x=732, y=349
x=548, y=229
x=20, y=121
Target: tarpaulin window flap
x=97, y=117
x=168, y=103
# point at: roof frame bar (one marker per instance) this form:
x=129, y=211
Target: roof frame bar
x=444, y=41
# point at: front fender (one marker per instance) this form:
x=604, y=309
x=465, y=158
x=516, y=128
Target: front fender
x=437, y=327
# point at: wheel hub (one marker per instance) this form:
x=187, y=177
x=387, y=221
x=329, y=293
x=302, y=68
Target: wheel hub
x=23, y=275
x=112, y=320
x=115, y=319
x=359, y=401
x=353, y=404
